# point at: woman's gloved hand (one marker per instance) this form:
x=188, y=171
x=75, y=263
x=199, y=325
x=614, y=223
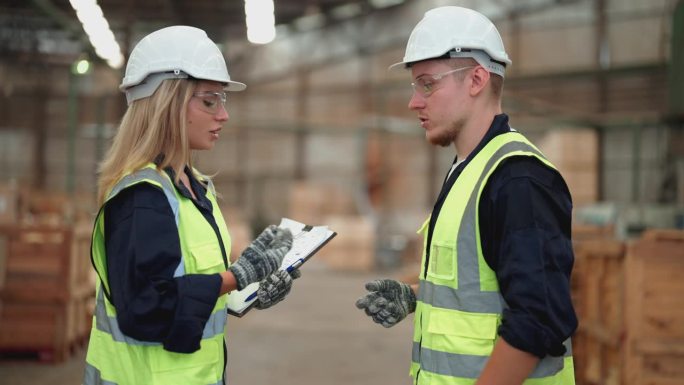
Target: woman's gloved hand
x=274, y=288
x=262, y=257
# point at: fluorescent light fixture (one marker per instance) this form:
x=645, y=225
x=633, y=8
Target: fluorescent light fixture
x=384, y=3
x=260, y=19
x=309, y=22
x=346, y=11
x=97, y=28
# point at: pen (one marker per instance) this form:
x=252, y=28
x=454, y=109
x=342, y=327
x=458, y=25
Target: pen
x=295, y=265
x=251, y=297
x=289, y=269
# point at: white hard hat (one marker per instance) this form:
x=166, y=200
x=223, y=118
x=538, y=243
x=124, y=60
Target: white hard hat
x=456, y=32
x=176, y=52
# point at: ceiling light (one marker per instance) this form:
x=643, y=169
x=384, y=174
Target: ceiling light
x=309, y=22
x=346, y=11
x=384, y=3
x=260, y=20
x=97, y=28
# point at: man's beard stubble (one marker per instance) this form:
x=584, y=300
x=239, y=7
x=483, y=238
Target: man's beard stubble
x=448, y=136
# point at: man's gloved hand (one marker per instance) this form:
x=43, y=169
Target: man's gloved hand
x=388, y=302
x=274, y=288
x=262, y=257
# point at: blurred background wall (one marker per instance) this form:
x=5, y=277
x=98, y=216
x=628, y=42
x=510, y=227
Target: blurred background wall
x=594, y=83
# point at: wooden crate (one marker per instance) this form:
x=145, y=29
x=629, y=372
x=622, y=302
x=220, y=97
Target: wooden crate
x=46, y=262
x=50, y=330
x=654, y=343
x=82, y=275
x=48, y=285
x=582, y=232
x=627, y=297
x=597, y=289
x=47, y=208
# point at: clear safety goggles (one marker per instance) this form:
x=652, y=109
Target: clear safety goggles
x=211, y=102
x=425, y=85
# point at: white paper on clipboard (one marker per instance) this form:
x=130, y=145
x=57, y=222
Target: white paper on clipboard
x=306, y=241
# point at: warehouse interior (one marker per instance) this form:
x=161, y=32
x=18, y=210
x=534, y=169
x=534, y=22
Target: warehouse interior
x=323, y=135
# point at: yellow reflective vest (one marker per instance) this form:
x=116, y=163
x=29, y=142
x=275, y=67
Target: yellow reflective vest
x=459, y=305
x=115, y=358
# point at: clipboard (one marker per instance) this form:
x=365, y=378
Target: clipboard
x=307, y=241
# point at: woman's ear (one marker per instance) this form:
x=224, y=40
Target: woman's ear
x=480, y=80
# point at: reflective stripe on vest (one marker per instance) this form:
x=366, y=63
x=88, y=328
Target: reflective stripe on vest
x=462, y=295
x=215, y=324
x=92, y=377
x=467, y=365
x=450, y=298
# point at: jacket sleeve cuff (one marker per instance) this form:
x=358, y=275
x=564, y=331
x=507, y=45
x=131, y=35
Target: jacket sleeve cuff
x=530, y=337
x=197, y=297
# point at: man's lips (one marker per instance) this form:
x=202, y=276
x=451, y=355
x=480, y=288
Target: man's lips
x=423, y=122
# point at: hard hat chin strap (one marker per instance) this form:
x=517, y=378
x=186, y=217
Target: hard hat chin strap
x=481, y=57
x=147, y=87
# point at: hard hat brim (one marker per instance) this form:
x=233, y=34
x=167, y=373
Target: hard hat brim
x=235, y=86
x=395, y=66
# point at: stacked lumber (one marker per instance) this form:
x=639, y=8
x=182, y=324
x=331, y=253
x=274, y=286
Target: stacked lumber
x=46, y=290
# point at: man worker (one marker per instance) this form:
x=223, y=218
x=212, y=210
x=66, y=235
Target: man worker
x=493, y=304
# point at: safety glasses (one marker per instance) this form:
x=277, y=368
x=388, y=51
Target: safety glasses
x=211, y=102
x=425, y=85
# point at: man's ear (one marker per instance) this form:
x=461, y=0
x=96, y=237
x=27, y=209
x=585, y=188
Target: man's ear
x=480, y=80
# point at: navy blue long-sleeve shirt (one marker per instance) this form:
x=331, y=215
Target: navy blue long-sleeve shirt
x=143, y=251
x=525, y=216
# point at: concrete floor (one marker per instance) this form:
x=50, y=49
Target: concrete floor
x=315, y=336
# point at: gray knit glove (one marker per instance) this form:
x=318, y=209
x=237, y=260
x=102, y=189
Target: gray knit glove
x=388, y=302
x=262, y=257
x=274, y=288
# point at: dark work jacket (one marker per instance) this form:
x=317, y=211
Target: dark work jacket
x=143, y=251
x=525, y=216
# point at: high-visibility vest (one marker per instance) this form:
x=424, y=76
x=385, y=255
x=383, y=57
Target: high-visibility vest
x=115, y=358
x=459, y=304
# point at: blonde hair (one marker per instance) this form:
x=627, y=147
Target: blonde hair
x=153, y=128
